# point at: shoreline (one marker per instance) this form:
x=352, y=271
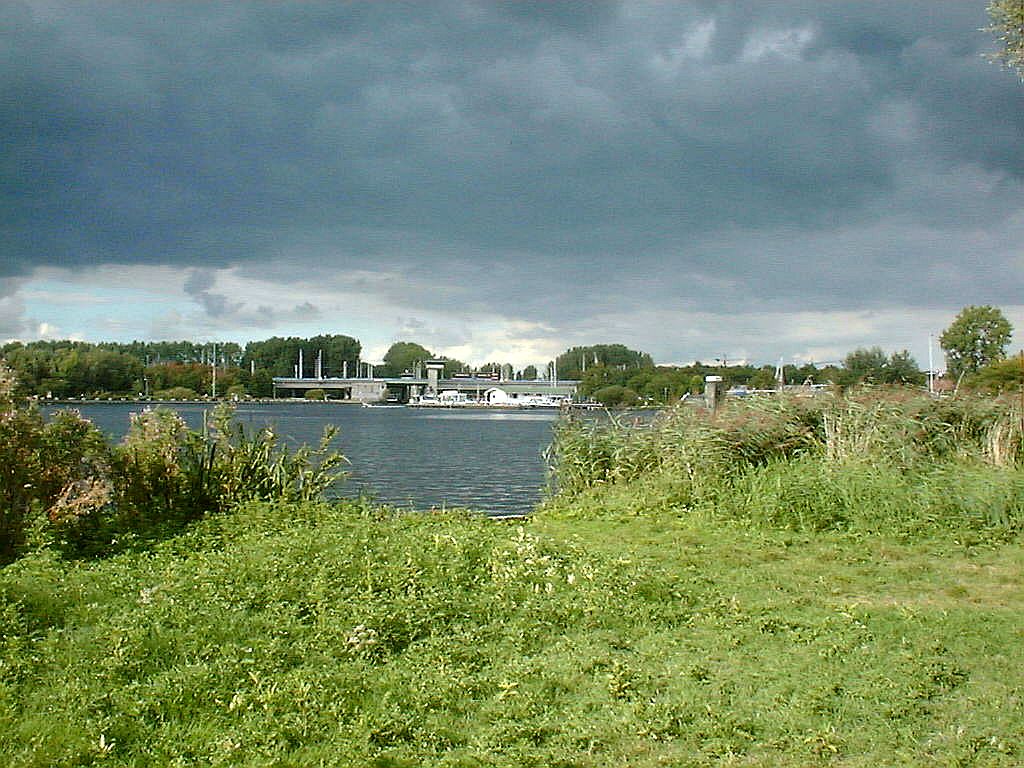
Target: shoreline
x=303, y=401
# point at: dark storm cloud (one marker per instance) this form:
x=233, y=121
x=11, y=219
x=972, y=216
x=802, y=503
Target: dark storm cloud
x=197, y=286
x=224, y=311
x=526, y=151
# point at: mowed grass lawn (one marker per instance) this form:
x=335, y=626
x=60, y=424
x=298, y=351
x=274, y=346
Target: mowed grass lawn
x=308, y=636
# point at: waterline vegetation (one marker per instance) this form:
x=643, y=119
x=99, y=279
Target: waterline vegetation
x=875, y=460
x=62, y=484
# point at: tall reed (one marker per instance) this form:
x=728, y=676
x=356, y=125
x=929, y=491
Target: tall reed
x=874, y=458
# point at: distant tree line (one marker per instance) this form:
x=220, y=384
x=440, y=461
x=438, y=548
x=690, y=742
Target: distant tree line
x=180, y=369
x=974, y=345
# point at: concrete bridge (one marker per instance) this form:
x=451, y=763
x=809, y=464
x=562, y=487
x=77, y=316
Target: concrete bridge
x=403, y=388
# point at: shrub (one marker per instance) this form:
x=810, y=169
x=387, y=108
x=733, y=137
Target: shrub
x=89, y=496
x=42, y=466
x=255, y=467
x=176, y=393
x=615, y=395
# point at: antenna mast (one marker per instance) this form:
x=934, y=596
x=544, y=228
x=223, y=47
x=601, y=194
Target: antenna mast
x=931, y=368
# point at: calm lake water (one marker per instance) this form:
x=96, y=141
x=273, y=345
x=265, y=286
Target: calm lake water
x=422, y=458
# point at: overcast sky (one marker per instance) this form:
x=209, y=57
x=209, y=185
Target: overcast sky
x=501, y=181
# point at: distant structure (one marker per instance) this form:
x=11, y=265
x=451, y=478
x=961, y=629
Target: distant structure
x=403, y=389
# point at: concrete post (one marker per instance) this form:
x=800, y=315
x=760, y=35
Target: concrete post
x=434, y=369
x=714, y=391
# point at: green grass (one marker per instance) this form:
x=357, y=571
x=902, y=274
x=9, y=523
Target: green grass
x=337, y=636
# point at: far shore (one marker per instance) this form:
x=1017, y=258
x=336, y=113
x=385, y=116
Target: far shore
x=196, y=401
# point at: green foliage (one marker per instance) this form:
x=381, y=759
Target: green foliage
x=97, y=370
x=278, y=356
x=787, y=582
x=1007, y=18
x=42, y=464
x=1000, y=376
x=614, y=396
x=871, y=460
x=315, y=394
x=405, y=357
x=665, y=384
x=8, y=385
x=61, y=479
x=575, y=361
x=311, y=635
x=250, y=467
x=977, y=337
x=76, y=369
x=873, y=367
x=194, y=377
x=176, y=393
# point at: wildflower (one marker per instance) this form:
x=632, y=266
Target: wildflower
x=362, y=637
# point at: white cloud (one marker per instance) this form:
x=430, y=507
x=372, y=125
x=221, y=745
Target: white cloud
x=694, y=46
x=785, y=43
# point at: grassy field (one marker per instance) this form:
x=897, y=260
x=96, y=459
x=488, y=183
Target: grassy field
x=651, y=615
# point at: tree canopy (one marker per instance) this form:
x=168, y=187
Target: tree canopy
x=574, y=362
x=279, y=356
x=404, y=356
x=872, y=365
x=977, y=337
x=1007, y=18
x=1000, y=376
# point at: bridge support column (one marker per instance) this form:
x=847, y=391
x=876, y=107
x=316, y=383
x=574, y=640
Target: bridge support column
x=434, y=370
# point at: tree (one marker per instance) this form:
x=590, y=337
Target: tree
x=977, y=337
x=281, y=355
x=872, y=365
x=451, y=366
x=1000, y=376
x=763, y=378
x=903, y=369
x=575, y=361
x=404, y=356
x=530, y=373
x=615, y=395
x=1008, y=25
x=864, y=364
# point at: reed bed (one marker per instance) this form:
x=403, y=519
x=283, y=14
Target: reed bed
x=875, y=459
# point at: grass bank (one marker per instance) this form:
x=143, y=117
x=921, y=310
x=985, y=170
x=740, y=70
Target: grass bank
x=641, y=619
